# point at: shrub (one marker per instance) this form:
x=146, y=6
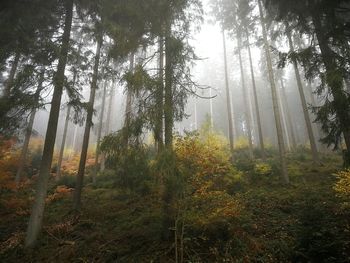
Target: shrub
x=342, y=186
x=262, y=169
x=67, y=180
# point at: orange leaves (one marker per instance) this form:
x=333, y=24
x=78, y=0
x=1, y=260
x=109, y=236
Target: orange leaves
x=60, y=192
x=204, y=163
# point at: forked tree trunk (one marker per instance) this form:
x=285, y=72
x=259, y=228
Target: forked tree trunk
x=228, y=97
x=88, y=125
x=315, y=156
x=36, y=217
x=256, y=101
x=281, y=146
x=245, y=98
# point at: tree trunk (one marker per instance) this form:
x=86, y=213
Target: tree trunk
x=88, y=125
x=290, y=125
x=281, y=146
x=228, y=97
x=128, y=109
x=285, y=126
x=211, y=109
x=245, y=98
x=63, y=143
x=158, y=129
x=335, y=83
x=314, y=151
x=195, y=115
x=29, y=130
x=317, y=125
x=111, y=99
x=24, y=150
x=36, y=217
x=99, y=132
x=256, y=102
x=11, y=78
x=168, y=93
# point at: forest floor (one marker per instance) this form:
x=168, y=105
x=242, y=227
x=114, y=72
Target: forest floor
x=304, y=222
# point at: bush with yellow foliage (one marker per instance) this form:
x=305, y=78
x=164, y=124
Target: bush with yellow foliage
x=342, y=186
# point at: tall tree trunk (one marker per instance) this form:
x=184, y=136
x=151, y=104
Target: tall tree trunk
x=211, y=109
x=312, y=140
x=281, y=146
x=286, y=127
x=317, y=125
x=88, y=125
x=11, y=78
x=195, y=115
x=128, y=108
x=36, y=217
x=335, y=83
x=24, y=150
x=287, y=111
x=75, y=138
x=99, y=132
x=168, y=93
x=256, y=101
x=245, y=97
x=63, y=143
x=158, y=129
x=111, y=99
x=228, y=97
x=29, y=130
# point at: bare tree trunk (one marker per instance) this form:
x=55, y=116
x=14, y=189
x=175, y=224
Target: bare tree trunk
x=63, y=143
x=168, y=93
x=128, y=109
x=88, y=125
x=256, y=102
x=284, y=121
x=111, y=99
x=290, y=126
x=75, y=138
x=99, y=132
x=24, y=150
x=36, y=217
x=211, y=109
x=228, y=97
x=195, y=115
x=12, y=74
x=158, y=129
x=317, y=125
x=245, y=97
x=314, y=151
x=281, y=146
